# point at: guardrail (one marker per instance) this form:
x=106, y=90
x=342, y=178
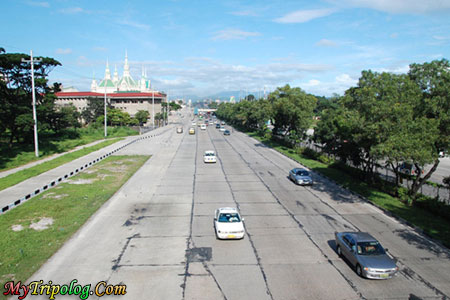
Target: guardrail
x=58, y=180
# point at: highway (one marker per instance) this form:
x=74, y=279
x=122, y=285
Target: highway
x=156, y=233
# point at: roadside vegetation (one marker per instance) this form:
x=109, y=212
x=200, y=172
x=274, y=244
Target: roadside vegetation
x=20, y=154
x=393, y=118
x=27, y=173
x=427, y=214
x=60, y=128
x=58, y=213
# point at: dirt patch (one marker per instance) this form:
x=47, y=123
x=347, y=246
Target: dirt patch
x=17, y=227
x=103, y=176
x=43, y=223
x=55, y=196
x=82, y=181
x=116, y=169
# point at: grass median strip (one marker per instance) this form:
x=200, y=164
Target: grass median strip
x=22, y=175
x=32, y=232
x=435, y=226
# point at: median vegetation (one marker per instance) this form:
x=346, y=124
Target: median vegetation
x=34, y=231
x=27, y=173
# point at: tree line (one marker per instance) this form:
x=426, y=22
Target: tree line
x=16, y=118
x=386, y=118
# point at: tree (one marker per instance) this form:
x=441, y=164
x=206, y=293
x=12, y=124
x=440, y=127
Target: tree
x=213, y=105
x=142, y=116
x=16, y=97
x=116, y=117
x=95, y=108
x=174, y=106
x=250, y=97
x=433, y=80
x=292, y=110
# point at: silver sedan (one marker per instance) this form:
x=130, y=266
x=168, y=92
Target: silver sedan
x=300, y=176
x=366, y=254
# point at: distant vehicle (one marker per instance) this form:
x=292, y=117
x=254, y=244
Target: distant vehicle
x=222, y=123
x=365, y=254
x=408, y=169
x=300, y=176
x=209, y=157
x=226, y=132
x=192, y=130
x=441, y=154
x=222, y=128
x=180, y=129
x=217, y=125
x=206, y=122
x=194, y=124
x=228, y=223
x=203, y=127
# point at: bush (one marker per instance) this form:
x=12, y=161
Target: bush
x=434, y=206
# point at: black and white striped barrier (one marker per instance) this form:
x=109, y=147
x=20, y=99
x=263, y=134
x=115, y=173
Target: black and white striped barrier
x=70, y=174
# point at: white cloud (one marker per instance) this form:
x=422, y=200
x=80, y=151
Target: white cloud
x=233, y=34
x=71, y=10
x=441, y=38
x=326, y=43
x=100, y=49
x=339, y=85
x=311, y=83
x=63, y=51
x=395, y=69
x=345, y=79
x=399, y=6
x=134, y=24
x=302, y=16
x=40, y=4
x=244, y=13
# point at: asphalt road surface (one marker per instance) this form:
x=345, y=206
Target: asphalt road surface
x=156, y=234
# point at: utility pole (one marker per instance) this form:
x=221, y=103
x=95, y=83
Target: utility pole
x=166, y=115
x=153, y=108
x=106, y=128
x=32, y=62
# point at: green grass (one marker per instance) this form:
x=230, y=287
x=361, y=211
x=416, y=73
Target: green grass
x=70, y=205
x=49, y=144
x=22, y=175
x=435, y=226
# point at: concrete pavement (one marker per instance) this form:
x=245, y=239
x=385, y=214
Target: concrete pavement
x=156, y=234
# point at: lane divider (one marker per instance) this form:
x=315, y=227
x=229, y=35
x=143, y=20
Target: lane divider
x=72, y=173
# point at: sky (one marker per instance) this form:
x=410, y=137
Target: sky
x=205, y=47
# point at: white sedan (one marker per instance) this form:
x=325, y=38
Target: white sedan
x=209, y=157
x=228, y=223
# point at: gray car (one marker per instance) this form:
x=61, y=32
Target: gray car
x=366, y=254
x=300, y=176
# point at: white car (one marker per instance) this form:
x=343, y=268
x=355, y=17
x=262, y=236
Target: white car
x=222, y=128
x=194, y=123
x=203, y=127
x=209, y=157
x=228, y=223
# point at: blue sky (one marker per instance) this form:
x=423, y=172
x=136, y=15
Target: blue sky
x=204, y=47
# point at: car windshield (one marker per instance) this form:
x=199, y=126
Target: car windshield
x=209, y=154
x=229, y=218
x=302, y=173
x=370, y=248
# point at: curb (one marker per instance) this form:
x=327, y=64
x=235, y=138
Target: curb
x=58, y=180
x=400, y=219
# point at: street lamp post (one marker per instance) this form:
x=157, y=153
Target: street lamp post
x=32, y=61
